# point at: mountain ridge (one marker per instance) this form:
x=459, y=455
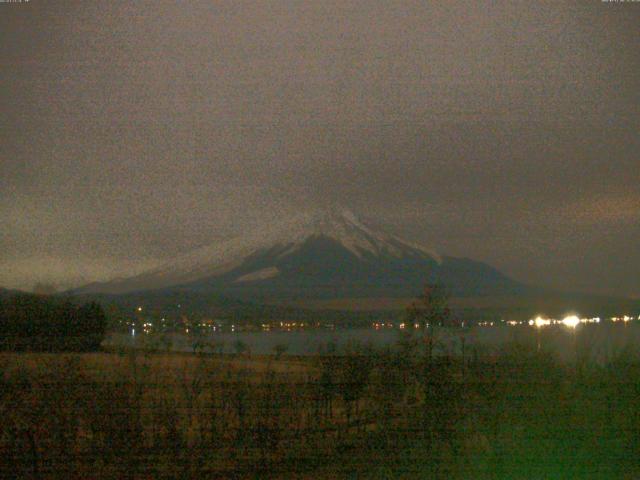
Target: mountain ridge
x=319, y=255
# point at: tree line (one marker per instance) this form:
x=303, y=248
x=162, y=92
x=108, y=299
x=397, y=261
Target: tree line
x=47, y=323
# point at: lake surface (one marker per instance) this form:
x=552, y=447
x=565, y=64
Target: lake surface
x=598, y=341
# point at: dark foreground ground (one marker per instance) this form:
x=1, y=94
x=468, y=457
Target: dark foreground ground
x=511, y=414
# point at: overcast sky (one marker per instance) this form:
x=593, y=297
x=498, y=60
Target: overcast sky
x=507, y=131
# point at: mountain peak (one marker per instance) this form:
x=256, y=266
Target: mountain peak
x=333, y=223
x=335, y=214
x=345, y=226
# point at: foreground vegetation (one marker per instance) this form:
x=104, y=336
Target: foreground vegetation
x=394, y=413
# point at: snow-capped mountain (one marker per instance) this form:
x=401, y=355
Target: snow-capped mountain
x=325, y=254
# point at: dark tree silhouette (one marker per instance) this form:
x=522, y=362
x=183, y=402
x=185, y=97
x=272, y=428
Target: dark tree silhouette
x=430, y=310
x=36, y=322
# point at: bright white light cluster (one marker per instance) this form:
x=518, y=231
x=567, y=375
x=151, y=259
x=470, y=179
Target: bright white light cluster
x=625, y=319
x=540, y=322
x=571, y=321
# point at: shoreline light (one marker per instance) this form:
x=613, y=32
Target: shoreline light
x=541, y=322
x=571, y=321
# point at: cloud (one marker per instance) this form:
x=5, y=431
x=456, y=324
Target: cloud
x=135, y=131
x=604, y=211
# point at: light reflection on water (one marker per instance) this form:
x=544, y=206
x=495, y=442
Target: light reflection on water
x=597, y=342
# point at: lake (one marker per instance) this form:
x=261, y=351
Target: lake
x=597, y=341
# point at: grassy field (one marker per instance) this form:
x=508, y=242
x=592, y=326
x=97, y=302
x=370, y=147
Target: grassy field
x=513, y=413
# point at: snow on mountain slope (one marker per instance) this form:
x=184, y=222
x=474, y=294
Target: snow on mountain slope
x=285, y=238
x=261, y=274
x=348, y=230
